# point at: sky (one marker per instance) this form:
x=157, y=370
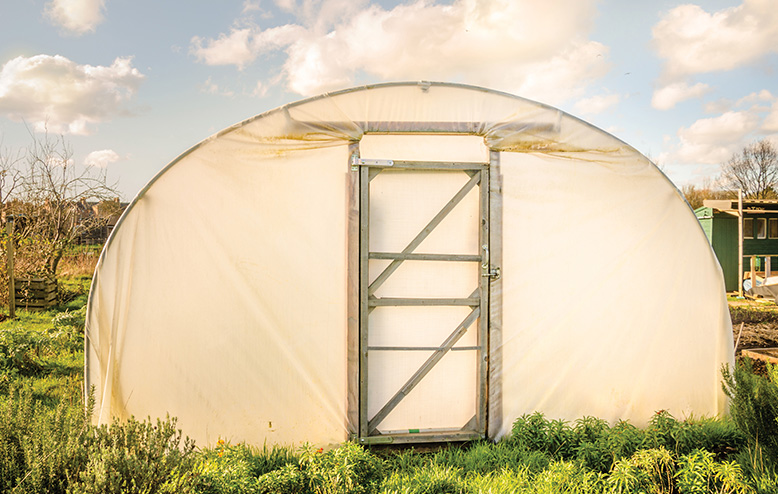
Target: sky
x=132, y=84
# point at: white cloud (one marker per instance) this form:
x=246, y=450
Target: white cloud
x=713, y=140
x=242, y=46
x=539, y=53
x=668, y=96
x=770, y=123
x=56, y=93
x=76, y=16
x=694, y=41
x=761, y=97
x=597, y=104
x=102, y=158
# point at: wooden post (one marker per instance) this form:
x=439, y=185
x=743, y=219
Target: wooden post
x=753, y=272
x=9, y=255
x=767, y=270
x=740, y=243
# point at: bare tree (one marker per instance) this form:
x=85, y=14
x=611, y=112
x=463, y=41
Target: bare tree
x=56, y=199
x=10, y=174
x=754, y=169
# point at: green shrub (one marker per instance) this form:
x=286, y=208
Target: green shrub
x=648, y=470
x=20, y=351
x=432, y=479
x=132, y=457
x=349, y=469
x=67, y=330
x=754, y=408
x=286, y=480
x=568, y=477
x=699, y=473
x=41, y=450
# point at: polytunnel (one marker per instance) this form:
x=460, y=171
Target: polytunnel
x=405, y=262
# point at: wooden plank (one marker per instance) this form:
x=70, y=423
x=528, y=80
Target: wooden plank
x=392, y=267
x=10, y=257
x=422, y=437
x=424, y=302
x=425, y=257
x=764, y=354
x=455, y=336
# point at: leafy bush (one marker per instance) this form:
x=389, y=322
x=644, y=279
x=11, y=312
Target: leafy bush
x=67, y=330
x=349, y=469
x=698, y=473
x=432, y=479
x=754, y=408
x=20, y=351
x=58, y=451
x=132, y=456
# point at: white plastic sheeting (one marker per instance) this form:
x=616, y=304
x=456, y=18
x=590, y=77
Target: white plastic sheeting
x=223, y=296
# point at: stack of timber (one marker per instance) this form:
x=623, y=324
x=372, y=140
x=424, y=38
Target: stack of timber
x=35, y=293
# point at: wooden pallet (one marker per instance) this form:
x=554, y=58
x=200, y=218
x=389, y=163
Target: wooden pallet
x=35, y=293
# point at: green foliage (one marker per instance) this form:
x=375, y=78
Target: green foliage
x=754, y=408
x=132, y=457
x=648, y=470
x=286, y=480
x=432, y=479
x=349, y=469
x=20, y=351
x=698, y=473
x=58, y=451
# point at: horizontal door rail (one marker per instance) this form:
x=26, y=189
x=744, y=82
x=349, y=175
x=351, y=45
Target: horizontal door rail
x=419, y=348
x=438, y=165
x=424, y=257
x=426, y=302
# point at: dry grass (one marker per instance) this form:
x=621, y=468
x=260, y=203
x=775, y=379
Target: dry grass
x=79, y=264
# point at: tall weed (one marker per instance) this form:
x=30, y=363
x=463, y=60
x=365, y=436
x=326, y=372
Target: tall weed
x=754, y=408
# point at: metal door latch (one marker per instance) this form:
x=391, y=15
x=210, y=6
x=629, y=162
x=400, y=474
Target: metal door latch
x=493, y=274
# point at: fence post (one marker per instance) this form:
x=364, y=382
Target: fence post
x=9, y=255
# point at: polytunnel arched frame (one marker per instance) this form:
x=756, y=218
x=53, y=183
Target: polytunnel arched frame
x=514, y=149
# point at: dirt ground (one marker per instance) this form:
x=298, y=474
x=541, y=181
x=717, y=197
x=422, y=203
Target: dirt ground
x=759, y=322
x=754, y=325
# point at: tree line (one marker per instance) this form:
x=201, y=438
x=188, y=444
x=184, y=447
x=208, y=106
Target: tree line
x=754, y=170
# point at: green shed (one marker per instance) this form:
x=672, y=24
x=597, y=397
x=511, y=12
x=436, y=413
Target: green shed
x=719, y=220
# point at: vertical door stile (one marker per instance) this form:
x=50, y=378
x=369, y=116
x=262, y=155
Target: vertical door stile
x=353, y=307
x=483, y=320
x=364, y=222
x=494, y=422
